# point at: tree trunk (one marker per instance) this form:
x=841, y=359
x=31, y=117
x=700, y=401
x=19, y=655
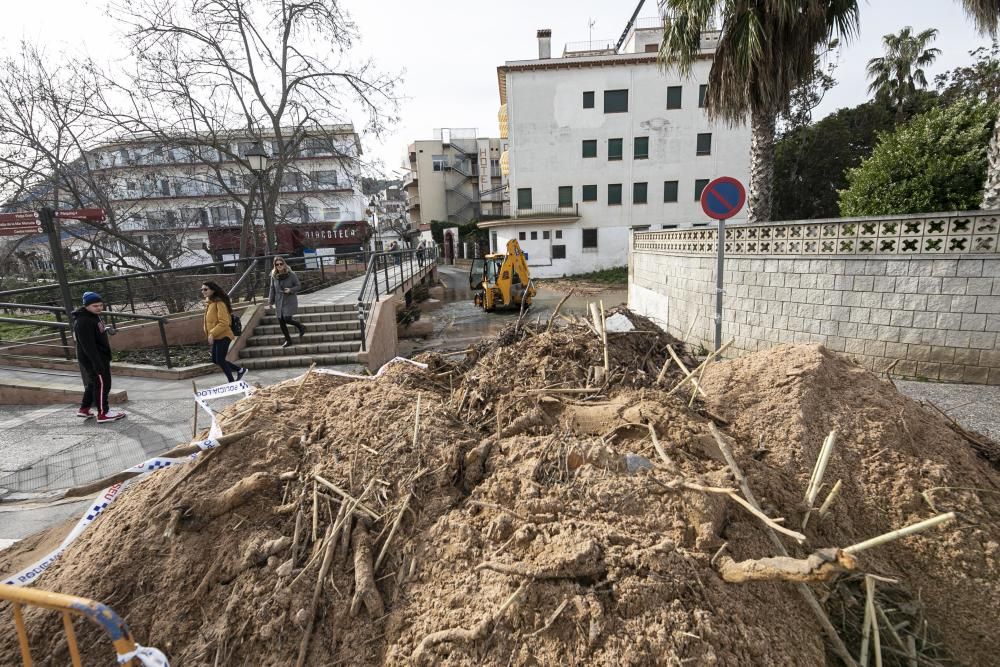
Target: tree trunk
x=759, y=199
x=991, y=191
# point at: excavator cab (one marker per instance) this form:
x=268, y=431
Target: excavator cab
x=502, y=280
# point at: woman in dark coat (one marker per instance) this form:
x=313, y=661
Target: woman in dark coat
x=284, y=286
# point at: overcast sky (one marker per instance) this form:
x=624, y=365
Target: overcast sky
x=448, y=50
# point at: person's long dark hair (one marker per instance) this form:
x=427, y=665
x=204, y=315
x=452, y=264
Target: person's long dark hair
x=219, y=293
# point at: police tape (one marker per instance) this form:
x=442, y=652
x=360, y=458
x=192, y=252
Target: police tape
x=103, y=500
x=109, y=495
x=381, y=371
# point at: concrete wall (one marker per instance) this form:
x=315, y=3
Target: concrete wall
x=937, y=316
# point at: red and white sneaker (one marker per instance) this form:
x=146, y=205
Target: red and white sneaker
x=110, y=416
x=85, y=413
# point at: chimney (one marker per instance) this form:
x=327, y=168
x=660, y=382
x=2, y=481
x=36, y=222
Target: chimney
x=544, y=44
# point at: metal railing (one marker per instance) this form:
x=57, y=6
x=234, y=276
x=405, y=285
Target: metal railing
x=69, y=606
x=175, y=290
x=63, y=327
x=590, y=46
x=547, y=211
x=314, y=272
x=386, y=272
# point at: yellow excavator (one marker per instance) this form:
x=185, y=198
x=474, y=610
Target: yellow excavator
x=502, y=280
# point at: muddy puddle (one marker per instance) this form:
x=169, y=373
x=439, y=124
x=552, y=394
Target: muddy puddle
x=458, y=323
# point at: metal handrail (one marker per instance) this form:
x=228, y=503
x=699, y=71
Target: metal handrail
x=392, y=275
x=69, y=605
x=63, y=326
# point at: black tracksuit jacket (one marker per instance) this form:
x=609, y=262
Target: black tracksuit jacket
x=93, y=350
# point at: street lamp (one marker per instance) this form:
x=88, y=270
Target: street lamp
x=373, y=207
x=259, y=160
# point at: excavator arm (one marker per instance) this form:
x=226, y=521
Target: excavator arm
x=514, y=270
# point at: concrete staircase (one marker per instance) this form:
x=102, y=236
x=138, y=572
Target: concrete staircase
x=333, y=336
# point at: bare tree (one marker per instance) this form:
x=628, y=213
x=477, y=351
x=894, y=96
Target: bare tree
x=49, y=121
x=210, y=72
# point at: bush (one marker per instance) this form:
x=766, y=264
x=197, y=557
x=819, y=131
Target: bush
x=936, y=162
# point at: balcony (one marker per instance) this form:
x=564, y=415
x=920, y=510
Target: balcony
x=412, y=202
x=533, y=215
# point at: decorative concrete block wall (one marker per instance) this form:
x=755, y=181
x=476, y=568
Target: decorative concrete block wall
x=919, y=292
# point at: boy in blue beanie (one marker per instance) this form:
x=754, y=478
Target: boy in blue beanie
x=93, y=353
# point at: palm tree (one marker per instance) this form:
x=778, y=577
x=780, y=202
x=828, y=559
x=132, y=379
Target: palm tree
x=896, y=77
x=986, y=15
x=765, y=50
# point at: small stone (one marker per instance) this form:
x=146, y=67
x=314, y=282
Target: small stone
x=634, y=463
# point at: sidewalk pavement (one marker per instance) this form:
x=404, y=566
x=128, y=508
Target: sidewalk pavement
x=45, y=450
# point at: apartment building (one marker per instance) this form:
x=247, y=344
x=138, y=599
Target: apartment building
x=454, y=177
x=603, y=141
x=160, y=190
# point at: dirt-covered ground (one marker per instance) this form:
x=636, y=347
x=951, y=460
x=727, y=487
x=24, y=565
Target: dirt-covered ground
x=536, y=509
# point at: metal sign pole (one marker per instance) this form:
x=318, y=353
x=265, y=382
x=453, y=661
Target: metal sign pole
x=51, y=227
x=720, y=261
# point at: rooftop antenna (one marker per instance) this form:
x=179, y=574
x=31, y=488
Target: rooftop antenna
x=591, y=23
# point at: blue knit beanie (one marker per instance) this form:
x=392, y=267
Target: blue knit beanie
x=91, y=297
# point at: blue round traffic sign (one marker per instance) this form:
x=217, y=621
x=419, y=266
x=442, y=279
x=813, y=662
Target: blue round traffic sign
x=723, y=198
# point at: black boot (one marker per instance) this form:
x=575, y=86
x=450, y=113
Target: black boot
x=287, y=343
x=302, y=332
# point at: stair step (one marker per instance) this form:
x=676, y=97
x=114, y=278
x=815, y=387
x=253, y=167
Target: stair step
x=323, y=308
x=310, y=338
x=312, y=327
x=297, y=350
x=300, y=360
x=340, y=316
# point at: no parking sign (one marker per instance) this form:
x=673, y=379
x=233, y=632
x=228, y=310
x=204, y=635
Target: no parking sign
x=722, y=199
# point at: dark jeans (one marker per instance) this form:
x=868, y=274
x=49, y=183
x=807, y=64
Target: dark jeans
x=97, y=386
x=283, y=322
x=219, y=350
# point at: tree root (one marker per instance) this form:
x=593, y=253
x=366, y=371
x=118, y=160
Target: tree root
x=364, y=574
x=478, y=631
x=236, y=495
x=823, y=565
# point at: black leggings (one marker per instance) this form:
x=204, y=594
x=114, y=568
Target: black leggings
x=283, y=322
x=220, y=348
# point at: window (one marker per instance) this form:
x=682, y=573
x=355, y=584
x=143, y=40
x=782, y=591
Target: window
x=640, y=148
x=590, y=148
x=565, y=196
x=558, y=252
x=534, y=236
x=702, y=92
x=699, y=185
x=652, y=48
x=704, y=144
x=614, y=149
x=615, y=101
x=589, y=238
x=289, y=182
x=669, y=191
x=673, y=97
x=331, y=213
x=588, y=99
x=559, y=231
x=322, y=180
x=523, y=198
x=640, y=228
x=522, y=236
x=546, y=236
x=589, y=194
x=439, y=162
x=639, y=193
x=614, y=194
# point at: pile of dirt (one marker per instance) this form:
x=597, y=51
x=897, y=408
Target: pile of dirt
x=519, y=507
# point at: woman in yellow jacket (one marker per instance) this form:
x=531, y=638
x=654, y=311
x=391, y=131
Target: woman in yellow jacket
x=218, y=328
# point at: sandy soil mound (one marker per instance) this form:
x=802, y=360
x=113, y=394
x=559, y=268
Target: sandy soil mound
x=517, y=523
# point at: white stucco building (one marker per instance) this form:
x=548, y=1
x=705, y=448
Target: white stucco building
x=601, y=141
